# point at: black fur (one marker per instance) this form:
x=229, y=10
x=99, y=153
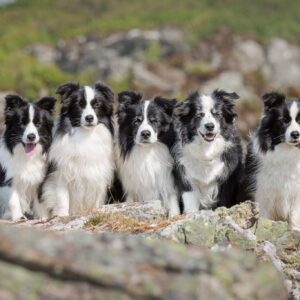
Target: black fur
x=73, y=102
x=17, y=118
x=115, y=192
x=270, y=133
x=130, y=116
x=3, y=181
x=160, y=113
x=189, y=115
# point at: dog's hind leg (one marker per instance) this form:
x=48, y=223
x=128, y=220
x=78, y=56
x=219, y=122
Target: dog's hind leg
x=55, y=197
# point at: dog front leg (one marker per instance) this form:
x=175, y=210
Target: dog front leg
x=294, y=219
x=190, y=202
x=14, y=210
x=173, y=204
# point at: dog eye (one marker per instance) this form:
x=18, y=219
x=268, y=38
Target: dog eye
x=153, y=120
x=37, y=123
x=298, y=119
x=214, y=113
x=286, y=120
x=201, y=115
x=96, y=105
x=138, y=120
x=81, y=102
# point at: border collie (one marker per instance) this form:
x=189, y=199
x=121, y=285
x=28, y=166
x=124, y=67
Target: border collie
x=81, y=159
x=25, y=143
x=145, y=137
x=209, y=151
x=273, y=161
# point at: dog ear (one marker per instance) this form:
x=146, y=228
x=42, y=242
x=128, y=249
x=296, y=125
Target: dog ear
x=273, y=100
x=128, y=98
x=47, y=103
x=105, y=91
x=184, y=108
x=14, y=101
x=168, y=105
x=229, y=105
x=66, y=89
x=224, y=96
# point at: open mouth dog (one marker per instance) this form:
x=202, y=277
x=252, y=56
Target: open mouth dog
x=29, y=148
x=208, y=137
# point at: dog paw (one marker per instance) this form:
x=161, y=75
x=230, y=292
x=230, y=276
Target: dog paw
x=20, y=219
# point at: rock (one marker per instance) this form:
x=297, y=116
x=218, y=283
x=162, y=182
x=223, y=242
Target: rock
x=230, y=81
x=150, y=212
x=222, y=230
x=143, y=77
x=81, y=265
x=283, y=68
x=240, y=228
x=43, y=52
x=248, y=56
x=116, y=56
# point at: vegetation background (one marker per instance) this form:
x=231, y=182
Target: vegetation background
x=25, y=22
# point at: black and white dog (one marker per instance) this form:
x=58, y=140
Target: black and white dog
x=144, y=139
x=209, y=151
x=273, y=161
x=23, y=150
x=81, y=159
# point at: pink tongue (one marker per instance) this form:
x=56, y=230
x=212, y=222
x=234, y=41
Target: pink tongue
x=29, y=149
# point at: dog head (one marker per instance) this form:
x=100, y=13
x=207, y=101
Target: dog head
x=86, y=106
x=28, y=124
x=280, y=122
x=144, y=121
x=206, y=115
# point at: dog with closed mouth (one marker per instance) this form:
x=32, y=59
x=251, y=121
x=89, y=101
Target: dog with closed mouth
x=272, y=167
x=25, y=143
x=145, y=137
x=80, y=160
x=208, y=152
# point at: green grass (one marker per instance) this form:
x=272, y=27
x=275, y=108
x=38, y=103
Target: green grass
x=47, y=21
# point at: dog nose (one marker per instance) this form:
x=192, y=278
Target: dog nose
x=145, y=134
x=89, y=118
x=210, y=126
x=295, y=134
x=31, y=137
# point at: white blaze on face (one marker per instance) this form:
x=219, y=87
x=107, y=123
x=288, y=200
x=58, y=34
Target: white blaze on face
x=88, y=112
x=146, y=133
x=207, y=103
x=294, y=125
x=30, y=136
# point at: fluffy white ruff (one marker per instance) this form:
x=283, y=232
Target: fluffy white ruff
x=85, y=167
x=146, y=174
x=203, y=166
x=27, y=173
x=278, y=183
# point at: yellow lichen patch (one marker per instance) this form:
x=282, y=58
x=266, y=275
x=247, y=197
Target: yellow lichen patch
x=116, y=222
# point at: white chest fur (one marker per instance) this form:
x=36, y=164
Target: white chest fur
x=203, y=166
x=85, y=166
x=202, y=161
x=27, y=172
x=278, y=183
x=146, y=173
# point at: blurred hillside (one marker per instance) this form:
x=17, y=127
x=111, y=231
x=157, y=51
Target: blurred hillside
x=164, y=47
